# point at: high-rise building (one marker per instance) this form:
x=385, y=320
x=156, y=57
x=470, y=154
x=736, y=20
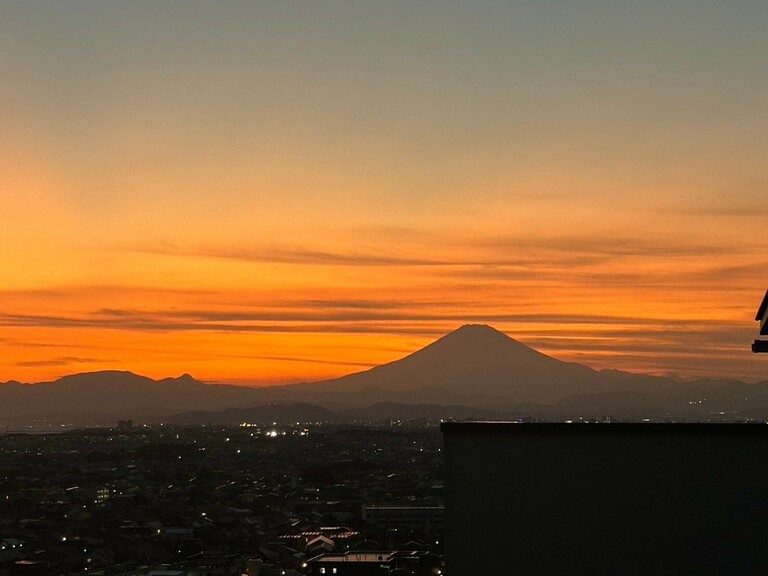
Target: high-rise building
x=629, y=499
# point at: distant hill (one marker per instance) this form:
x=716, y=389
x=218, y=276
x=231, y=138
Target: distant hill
x=119, y=394
x=399, y=411
x=472, y=372
x=265, y=414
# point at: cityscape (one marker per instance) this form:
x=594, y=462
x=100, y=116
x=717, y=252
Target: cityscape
x=383, y=287
x=208, y=500
x=300, y=489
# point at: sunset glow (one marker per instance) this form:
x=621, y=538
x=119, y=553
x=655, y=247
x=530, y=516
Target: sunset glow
x=276, y=193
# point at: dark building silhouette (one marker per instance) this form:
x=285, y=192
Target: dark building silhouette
x=556, y=499
x=761, y=346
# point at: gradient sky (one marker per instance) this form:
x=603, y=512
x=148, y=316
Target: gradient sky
x=280, y=191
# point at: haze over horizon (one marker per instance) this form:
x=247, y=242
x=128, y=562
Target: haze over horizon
x=293, y=191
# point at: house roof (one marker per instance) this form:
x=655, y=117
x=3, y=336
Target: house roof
x=362, y=557
x=319, y=539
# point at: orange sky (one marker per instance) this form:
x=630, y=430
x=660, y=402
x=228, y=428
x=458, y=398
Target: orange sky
x=268, y=194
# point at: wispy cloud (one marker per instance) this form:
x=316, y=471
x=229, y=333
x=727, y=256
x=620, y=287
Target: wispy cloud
x=313, y=361
x=737, y=204
x=292, y=255
x=304, y=321
x=448, y=251
x=60, y=361
x=609, y=247
x=570, y=295
x=350, y=304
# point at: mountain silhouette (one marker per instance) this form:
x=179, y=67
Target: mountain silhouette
x=474, y=366
x=119, y=394
x=474, y=360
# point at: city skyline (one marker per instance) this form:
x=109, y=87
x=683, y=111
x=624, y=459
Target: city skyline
x=258, y=193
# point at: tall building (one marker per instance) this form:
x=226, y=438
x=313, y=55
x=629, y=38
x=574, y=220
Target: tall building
x=630, y=499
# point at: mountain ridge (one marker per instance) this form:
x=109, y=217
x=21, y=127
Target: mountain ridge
x=473, y=366
x=474, y=358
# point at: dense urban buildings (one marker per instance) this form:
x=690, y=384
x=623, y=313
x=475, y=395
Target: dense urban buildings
x=218, y=501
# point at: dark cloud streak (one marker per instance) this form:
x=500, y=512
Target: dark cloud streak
x=61, y=361
x=356, y=322
x=527, y=252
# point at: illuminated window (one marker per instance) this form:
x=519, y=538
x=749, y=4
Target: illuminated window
x=322, y=570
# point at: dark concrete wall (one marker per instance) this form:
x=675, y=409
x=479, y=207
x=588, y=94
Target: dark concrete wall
x=651, y=499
